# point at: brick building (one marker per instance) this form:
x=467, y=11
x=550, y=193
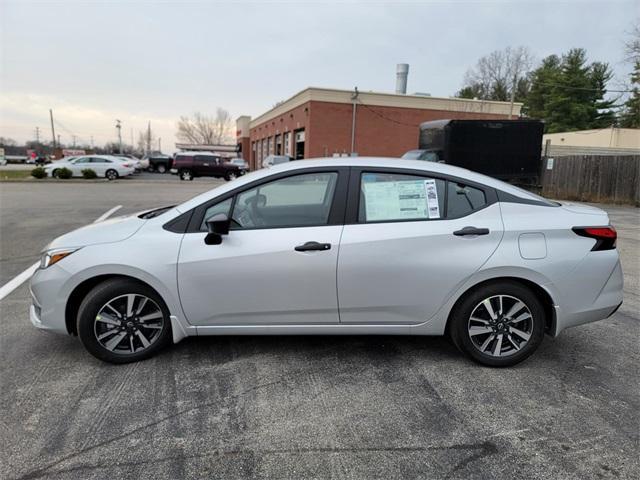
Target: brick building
x=322, y=122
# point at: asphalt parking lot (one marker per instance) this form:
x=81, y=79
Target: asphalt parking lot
x=303, y=407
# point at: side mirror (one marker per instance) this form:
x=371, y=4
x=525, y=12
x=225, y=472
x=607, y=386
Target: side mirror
x=217, y=225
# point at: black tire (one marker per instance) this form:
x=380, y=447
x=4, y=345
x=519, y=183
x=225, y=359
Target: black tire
x=186, y=174
x=54, y=173
x=111, y=174
x=460, y=323
x=161, y=168
x=95, y=301
x=230, y=176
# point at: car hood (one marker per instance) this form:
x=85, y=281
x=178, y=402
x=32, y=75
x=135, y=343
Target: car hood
x=109, y=231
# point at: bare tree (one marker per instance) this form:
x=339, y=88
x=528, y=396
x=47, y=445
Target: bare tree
x=206, y=130
x=632, y=46
x=7, y=142
x=499, y=75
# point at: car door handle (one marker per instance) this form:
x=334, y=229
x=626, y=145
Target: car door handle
x=471, y=231
x=309, y=246
x=205, y=164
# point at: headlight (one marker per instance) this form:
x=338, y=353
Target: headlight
x=54, y=256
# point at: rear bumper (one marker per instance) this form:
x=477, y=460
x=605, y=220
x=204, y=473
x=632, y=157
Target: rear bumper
x=603, y=305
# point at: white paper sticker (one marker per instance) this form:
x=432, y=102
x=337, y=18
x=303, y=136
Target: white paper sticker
x=549, y=163
x=402, y=200
x=432, y=198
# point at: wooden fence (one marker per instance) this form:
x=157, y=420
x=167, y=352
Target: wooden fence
x=591, y=178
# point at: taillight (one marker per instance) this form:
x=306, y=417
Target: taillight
x=605, y=237
x=126, y=165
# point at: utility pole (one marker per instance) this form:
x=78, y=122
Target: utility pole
x=513, y=94
x=37, y=134
x=149, y=138
x=59, y=144
x=91, y=142
x=354, y=98
x=74, y=141
x=119, y=127
x=53, y=130
x=133, y=147
x=159, y=144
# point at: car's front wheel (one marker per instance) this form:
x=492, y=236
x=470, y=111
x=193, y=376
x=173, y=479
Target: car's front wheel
x=230, y=176
x=122, y=321
x=111, y=174
x=499, y=324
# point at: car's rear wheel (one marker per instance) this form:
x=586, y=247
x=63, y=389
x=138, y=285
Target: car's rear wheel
x=123, y=321
x=186, y=175
x=111, y=174
x=499, y=324
x=161, y=168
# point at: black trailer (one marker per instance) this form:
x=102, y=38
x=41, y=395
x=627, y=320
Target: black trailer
x=506, y=149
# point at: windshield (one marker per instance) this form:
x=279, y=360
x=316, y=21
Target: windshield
x=155, y=213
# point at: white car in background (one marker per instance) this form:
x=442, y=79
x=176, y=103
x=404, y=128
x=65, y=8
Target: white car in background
x=104, y=165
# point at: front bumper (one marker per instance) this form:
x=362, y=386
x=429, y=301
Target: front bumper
x=48, y=302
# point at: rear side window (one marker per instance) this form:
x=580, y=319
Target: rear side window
x=181, y=159
x=463, y=199
x=388, y=197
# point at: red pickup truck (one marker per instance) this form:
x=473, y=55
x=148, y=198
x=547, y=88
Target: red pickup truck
x=188, y=165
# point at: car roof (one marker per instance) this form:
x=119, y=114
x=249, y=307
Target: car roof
x=198, y=153
x=372, y=162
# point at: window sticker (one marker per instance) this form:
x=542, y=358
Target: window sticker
x=402, y=200
x=432, y=198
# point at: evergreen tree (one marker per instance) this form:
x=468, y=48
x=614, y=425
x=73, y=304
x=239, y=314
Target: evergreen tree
x=570, y=105
x=542, y=81
x=630, y=117
x=603, y=114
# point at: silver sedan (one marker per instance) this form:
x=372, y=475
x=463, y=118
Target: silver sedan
x=336, y=246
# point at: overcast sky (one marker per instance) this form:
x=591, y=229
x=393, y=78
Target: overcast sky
x=93, y=62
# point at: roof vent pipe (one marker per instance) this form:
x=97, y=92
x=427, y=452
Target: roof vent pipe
x=402, y=72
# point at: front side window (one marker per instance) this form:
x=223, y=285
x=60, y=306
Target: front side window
x=388, y=197
x=295, y=201
x=463, y=199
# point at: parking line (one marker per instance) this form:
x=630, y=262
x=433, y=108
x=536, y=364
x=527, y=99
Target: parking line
x=107, y=214
x=11, y=285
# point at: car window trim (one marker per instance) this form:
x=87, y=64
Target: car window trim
x=336, y=213
x=353, y=199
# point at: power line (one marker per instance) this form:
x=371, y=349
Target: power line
x=387, y=118
x=585, y=89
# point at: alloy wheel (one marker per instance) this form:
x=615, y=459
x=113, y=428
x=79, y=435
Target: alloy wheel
x=186, y=175
x=500, y=325
x=128, y=324
x=112, y=174
x=231, y=176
